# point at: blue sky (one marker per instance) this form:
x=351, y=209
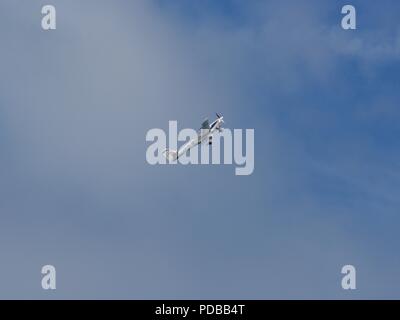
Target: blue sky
x=76, y=191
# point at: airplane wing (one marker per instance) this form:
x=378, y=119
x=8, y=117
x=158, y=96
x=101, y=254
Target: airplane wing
x=205, y=124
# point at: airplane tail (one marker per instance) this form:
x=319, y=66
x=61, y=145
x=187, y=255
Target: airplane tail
x=171, y=155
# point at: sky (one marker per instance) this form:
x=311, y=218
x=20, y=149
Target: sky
x=76, y=191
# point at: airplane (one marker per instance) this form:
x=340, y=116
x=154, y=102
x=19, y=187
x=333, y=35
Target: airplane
x=205, y=132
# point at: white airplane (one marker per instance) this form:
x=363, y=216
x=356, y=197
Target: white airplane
x=206, y=131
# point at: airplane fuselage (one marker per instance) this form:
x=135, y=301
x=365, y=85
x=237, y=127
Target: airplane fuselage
x=203, y=134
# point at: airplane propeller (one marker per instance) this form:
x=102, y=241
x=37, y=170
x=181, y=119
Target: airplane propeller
x=219, y=116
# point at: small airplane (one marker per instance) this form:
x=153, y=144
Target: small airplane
x=205, y=132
